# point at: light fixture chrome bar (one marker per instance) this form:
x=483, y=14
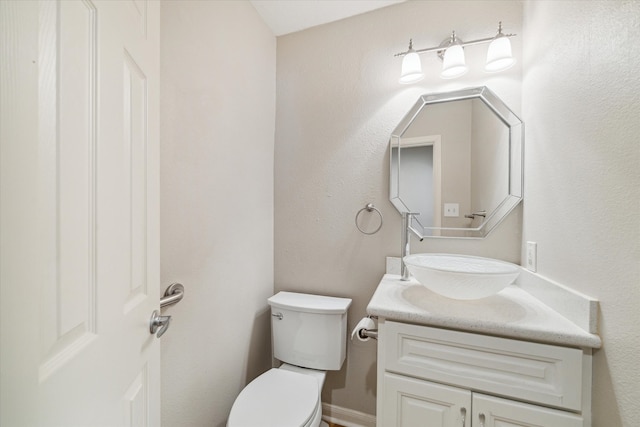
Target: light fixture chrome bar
x=463, y=44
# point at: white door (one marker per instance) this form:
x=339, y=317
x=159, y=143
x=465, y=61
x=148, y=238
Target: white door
x=79, y=212
x=409, y=402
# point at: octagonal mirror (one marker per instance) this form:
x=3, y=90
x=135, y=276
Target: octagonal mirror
x=457, y=160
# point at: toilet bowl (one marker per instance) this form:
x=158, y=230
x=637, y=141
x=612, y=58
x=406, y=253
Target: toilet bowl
x=309, y=337
x=288, y=396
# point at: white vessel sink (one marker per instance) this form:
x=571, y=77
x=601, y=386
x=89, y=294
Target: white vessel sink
x=461, y=276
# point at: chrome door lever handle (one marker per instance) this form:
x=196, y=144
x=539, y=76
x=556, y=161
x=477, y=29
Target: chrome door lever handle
x=172, y=295
x=158, y=323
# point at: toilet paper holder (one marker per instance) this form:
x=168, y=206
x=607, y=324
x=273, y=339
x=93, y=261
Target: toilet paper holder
x=369, y=333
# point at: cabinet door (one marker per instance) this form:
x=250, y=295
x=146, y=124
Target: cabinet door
x=491, y=411
x=409, y=402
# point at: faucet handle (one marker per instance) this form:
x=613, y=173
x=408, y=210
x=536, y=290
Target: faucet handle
x=408, y=214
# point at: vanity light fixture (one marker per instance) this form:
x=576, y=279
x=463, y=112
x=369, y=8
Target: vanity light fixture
x=451, y=51
x=453, y=63
x=499, y=55
x=411, y=66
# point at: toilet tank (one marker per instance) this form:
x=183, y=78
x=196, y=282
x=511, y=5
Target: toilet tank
x=309, y=330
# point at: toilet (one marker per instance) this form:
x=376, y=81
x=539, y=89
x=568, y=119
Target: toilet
x=309, y=335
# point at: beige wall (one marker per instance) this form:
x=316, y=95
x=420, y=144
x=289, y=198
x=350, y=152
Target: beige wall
x=337, y=102
x=217, y=138
x=581, y=101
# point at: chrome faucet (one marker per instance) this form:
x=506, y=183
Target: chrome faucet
x=406, y=243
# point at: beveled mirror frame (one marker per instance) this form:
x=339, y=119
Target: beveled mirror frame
x=515, y=166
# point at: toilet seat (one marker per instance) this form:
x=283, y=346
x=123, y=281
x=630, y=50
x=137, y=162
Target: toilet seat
x=277, y=398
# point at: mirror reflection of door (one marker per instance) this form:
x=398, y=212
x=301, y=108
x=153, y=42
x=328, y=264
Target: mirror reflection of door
x=420, y=177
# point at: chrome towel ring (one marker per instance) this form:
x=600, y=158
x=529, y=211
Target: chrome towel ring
x=369, y=208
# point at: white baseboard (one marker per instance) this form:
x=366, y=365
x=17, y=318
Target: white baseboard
x=347, y=417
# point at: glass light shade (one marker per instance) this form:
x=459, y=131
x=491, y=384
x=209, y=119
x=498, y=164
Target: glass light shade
x=453, y=64
x=499, y=56
x=411, y=69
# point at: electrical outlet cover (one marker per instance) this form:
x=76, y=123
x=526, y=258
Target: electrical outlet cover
x=532, y=256
x=451, y=209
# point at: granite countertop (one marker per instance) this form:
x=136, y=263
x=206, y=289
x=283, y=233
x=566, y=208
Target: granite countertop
x=511, y=313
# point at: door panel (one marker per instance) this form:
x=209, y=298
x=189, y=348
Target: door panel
x=135, y=116
x=67, y=98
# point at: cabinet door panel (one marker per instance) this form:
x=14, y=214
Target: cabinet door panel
x=540, y=373
x=415, y=403
x=491, y=411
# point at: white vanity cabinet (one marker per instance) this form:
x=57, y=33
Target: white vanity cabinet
x=437, y=377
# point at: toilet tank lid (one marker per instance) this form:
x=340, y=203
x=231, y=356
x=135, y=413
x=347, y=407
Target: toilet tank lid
x=310, y=303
